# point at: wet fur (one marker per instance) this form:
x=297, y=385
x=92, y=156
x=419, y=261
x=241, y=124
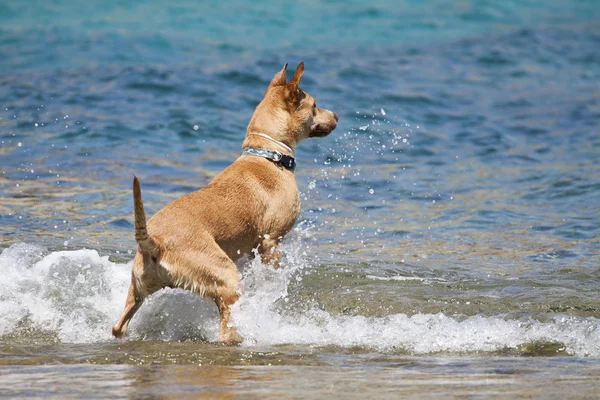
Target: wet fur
x=193, y=242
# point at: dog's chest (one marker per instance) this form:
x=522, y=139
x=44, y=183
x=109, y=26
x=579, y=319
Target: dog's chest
x=283, y=209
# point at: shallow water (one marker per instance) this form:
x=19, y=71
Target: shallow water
x=325, y=376
x=449, y=226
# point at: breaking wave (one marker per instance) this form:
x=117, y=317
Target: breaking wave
x=77, y=295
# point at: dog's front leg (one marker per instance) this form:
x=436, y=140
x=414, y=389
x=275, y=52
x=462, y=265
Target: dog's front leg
x=269, y=252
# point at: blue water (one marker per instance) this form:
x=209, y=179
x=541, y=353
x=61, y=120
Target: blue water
x=454, y=209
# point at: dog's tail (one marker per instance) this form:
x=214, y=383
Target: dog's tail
x=147, y=245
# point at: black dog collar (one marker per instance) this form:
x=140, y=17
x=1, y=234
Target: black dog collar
x=288, y=162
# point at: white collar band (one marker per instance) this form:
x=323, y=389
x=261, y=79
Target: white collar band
x=285, y=146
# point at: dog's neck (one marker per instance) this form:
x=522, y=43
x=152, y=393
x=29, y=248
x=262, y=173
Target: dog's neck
x=265, y=141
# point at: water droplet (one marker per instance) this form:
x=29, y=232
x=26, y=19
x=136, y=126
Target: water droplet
x=19, y=144
x=371, y=191
x=196, y=127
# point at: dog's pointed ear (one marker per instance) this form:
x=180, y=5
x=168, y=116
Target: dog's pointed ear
x=279, y=78
x=295, y=81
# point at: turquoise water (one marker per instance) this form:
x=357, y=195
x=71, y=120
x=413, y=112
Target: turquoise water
x=449, y=225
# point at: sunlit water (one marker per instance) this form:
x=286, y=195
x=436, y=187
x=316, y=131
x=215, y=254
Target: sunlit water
x=449, y=225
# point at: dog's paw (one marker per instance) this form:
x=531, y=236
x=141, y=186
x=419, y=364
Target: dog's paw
x=232, y=338
x=117, y=331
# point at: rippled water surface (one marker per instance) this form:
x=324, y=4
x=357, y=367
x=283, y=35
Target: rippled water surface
x=449, y=226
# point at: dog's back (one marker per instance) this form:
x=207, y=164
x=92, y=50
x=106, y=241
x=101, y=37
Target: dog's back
x=250, y=199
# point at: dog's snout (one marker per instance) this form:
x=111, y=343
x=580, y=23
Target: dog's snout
x=335, y=116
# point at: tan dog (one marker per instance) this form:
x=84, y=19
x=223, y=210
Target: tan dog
x=194, y=241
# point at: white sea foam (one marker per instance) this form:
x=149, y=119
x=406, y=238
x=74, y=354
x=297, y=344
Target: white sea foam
x=75, y=294
x=395, y=278
x=78, y=295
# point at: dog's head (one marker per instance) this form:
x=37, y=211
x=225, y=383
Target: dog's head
x=289, y=114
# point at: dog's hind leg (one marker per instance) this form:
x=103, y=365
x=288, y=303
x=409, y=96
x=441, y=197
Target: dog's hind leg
x=146, y=278
x=226, y=297
x=209, y=272
x=131, y=306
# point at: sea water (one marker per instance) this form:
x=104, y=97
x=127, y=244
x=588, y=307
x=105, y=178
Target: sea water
x=449, y=225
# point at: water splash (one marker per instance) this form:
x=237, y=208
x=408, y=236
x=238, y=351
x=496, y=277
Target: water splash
x=74, y=294
x=264, y=319
x=78, y=295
